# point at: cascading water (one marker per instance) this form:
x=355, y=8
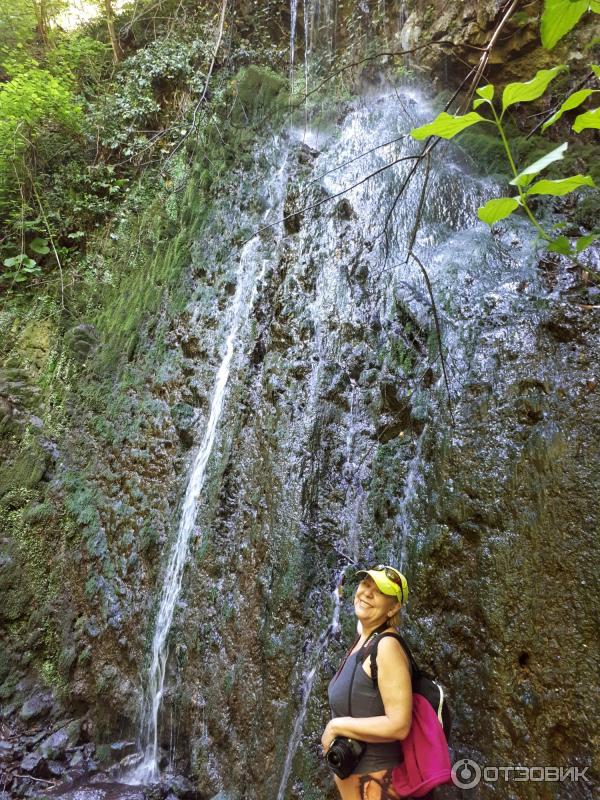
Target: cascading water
x=371, y=316
x=293, y=19
x=247, y=277
x=347, y=316
x=308, y=679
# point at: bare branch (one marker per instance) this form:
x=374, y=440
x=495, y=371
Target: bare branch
x=205, y=90
x=438, y=331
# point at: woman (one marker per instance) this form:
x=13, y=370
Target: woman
x=380, y=716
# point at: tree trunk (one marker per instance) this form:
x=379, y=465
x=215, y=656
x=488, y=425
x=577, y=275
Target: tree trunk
x=41, y=19
x=114, y=39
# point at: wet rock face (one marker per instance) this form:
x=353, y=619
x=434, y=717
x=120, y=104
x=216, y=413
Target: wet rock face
x=469, y=26
x=337, y=441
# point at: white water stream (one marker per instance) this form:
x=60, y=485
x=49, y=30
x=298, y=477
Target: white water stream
x=293, y=17
x=308, y=680
x=247, y=279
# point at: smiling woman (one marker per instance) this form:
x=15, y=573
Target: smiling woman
x=362, y=740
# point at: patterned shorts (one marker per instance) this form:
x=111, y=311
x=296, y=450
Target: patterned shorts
x=370, y=786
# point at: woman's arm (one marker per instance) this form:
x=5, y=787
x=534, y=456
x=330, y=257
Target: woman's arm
x=394, y=683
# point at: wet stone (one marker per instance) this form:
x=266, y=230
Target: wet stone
x=123, y=748
x=36, y=707
x=307, y=154
x=182, y=787
x=57, y=743
x=56, y=769
x=76, y=759
x=34, y=764
x=344, y=210
x=98, y=791
x=6, y=751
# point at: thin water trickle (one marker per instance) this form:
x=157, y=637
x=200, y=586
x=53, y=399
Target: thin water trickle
x=247, y=279
x=354, y=491
x=308, y=679
x=406, y=521
x=306, y=21
x=293, y=17
x=148, y=770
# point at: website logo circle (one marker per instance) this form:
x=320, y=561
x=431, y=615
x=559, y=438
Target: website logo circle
x=466, y=773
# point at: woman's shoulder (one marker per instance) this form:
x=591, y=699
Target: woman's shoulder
x=391, y=650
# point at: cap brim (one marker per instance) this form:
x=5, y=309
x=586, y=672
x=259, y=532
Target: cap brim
x=383, y=583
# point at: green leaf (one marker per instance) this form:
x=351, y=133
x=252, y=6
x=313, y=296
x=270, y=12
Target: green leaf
x=574, y=100
x=526, y=175
x=446, y=126
x=39, y=246
x=560, y=245
x=590, y=119
x=525, y=92
x=585, y=241
x=22, y=261
x=560, y=187
x=479, y=101
x=487, y=92
x=497, y=209
x=595, y=70
x=559, y=17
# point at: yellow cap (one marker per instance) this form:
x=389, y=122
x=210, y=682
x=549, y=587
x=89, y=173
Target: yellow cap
x=394, y=584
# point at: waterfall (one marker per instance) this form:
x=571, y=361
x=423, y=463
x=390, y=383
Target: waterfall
x=293, y=16
x=247, y=279
x=174, y=573
x=356, y=317
x=306, y=18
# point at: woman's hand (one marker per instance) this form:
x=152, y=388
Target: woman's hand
x=329, y=735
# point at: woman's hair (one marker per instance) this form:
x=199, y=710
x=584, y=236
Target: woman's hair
x=395, y=619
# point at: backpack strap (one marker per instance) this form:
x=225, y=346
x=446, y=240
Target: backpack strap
x=414, y=669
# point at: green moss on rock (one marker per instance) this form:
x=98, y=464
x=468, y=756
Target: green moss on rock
x=261, y=89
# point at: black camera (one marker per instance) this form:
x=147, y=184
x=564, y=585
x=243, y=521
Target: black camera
x=344, y=754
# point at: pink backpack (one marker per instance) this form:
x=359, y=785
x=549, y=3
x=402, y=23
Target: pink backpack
x=426, y=758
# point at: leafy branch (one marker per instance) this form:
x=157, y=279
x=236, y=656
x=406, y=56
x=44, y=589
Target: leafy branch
x=558, y=18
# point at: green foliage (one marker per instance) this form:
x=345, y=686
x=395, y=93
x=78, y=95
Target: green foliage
x=573, y=101
x=81, y=60
x=447, y=126
x=30, y=105
x=561, y=16
x=17, y=30
x=36, y=95
x=126, y=118
x=495, y=210
x=530, y=90
x=590, y=119
x=259, y=90
x=560, y=187
x=486, y=94
x=527, y=174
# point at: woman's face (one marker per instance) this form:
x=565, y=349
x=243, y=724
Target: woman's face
x=372, y=606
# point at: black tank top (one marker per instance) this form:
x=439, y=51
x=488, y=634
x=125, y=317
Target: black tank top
x=364, y=701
